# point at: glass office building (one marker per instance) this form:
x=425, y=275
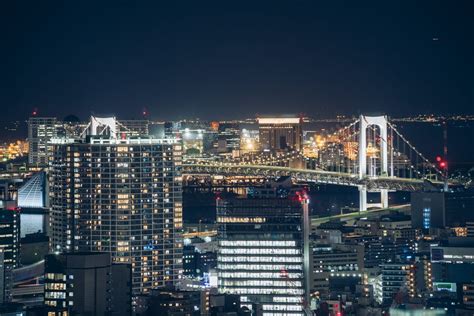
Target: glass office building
x=263, y=254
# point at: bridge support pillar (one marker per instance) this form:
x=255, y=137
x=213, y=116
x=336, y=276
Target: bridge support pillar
x=366, y=122
x=384, y=198
x=362, y=199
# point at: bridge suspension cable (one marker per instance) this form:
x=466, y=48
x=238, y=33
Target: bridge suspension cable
x=419, y=155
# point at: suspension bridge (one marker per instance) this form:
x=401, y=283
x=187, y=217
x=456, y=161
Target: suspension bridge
x=369, y=153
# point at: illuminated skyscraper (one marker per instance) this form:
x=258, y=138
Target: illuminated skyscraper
x=280, y=133
x=122, y=196
x=40, y=131
x=264, y=253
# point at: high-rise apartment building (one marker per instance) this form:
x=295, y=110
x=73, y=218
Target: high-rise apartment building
x=441, y=209
x=280, y=133
x=40, y=131
x=398, y=281
x=263, y=253
x=122, y=196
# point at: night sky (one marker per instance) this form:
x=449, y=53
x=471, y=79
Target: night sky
x=233, y=59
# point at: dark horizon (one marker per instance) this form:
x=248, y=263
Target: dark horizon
x=221, y=60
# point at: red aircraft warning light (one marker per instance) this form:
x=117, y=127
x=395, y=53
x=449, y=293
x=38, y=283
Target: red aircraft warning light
x=442, y=164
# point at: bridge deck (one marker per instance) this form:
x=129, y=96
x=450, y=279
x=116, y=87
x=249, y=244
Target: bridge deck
x=308, y=175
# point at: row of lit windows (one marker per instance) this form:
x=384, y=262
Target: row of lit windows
x=262, y=251
x=259, y=275
x=241, y=219
x=259, y=259
x=261, y=283
x=55, y=286
x=259, y=267
x=275, y=307
x=287, y=299
x=56, y=276
x=274, y=291
x=55, y=295
x=258, y=243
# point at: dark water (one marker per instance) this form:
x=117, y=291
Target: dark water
x=31, y=223
x=324, y=200
x=334, y=199
x=428, y=138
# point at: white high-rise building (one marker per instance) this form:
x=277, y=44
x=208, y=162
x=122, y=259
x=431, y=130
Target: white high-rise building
x=122, y=196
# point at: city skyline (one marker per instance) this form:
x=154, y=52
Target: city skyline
x=218, y=61
x=264, y=158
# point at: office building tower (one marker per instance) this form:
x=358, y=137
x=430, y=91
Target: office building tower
x=228, y=138
x=385, y=250
x=441, y=209
x=196, y=263
x=333, y=261
x=280, y=133
x=122, y=196
x=10, y=235
x=87, y=284
x=453, y=260
x=263, y=253
x=40, y=131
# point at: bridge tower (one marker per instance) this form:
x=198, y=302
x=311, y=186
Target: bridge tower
x=365, y=123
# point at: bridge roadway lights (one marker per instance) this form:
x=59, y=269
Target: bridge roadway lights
x=363, y=205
